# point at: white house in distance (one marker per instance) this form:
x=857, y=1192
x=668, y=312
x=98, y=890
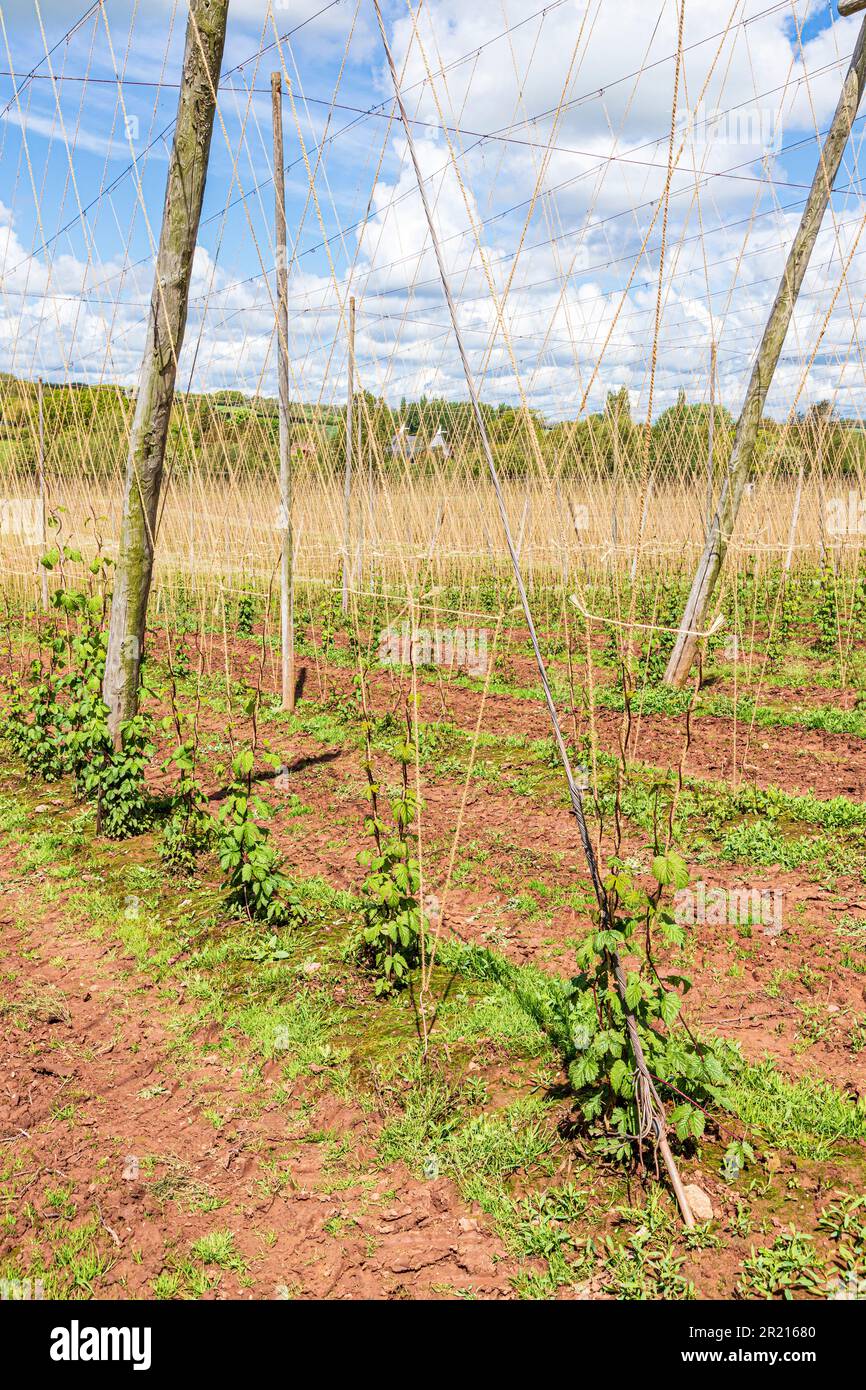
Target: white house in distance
x=411, y=445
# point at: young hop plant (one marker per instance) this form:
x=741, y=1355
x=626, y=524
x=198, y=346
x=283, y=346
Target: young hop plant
x=255, y=884
x=59, y=724
x=618, y=988
x=393, y=919
x=33, y=718
x=189, y=830
x=600, y=1067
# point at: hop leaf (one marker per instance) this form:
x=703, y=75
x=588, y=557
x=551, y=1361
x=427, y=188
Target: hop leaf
x=670, y=869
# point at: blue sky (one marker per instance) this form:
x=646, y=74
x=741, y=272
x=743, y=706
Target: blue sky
x=544, y=138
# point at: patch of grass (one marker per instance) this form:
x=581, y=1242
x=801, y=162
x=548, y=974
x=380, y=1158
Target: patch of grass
x=38, y=1004
x=12, y=815
x=69, y=1260
x=497, y=1017
x=218, y=1248
x=646, y=1264
x=298, y=1032
x=760, y=842
x=806, y=1117
x=540, y=1227
x=47, y=847
x=166, y=1285
x=177, y=1184
x=789, y=1266
x=432, y=1133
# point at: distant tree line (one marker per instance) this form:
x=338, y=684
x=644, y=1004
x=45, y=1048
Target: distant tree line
x=222, y=432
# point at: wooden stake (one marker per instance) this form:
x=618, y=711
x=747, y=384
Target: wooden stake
x=740, y=462
x=711, y=440
x=187, y=172
x=818, y=465
x=647, y=498
x=359, y=444
x=347, y=478
x=43, y=506
x=287, y=565
x=795, y=517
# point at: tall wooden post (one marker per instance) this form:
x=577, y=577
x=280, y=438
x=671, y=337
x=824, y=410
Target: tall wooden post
x=711, y=442
x=795, y=517
x=187, y=172
x=818, y=465
x=359, y=446
x=287, y=566
x=43, y=506
x=710, y=564
x=347, y=477
x=644, y=513
x=617, y=465
x=372, y=530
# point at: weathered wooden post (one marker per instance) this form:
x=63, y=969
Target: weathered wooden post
x=711, y=442
x=373, y=530
x=644, y=513
x=795, y=518
x=287, y=565
x=187, y=172
x=711, y=561
x=358, y=447
x=818, y=468
x=347, y=476
x=43, y=506
x=617, y=465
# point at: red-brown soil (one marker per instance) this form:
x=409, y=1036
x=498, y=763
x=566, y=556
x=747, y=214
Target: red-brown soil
x=109, y=1056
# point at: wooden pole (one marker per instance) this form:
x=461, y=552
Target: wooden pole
x=647, y=498
x=521, y=533
x=287, y=565
x=187, y=172
x=617, y=464
x=347, y=478
x=43, y=506
x=711, y=441
x=372, y=529
x=740, y=462
x=795, y=517
x=359, y=442
x=822, y=501
x=372, y=534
